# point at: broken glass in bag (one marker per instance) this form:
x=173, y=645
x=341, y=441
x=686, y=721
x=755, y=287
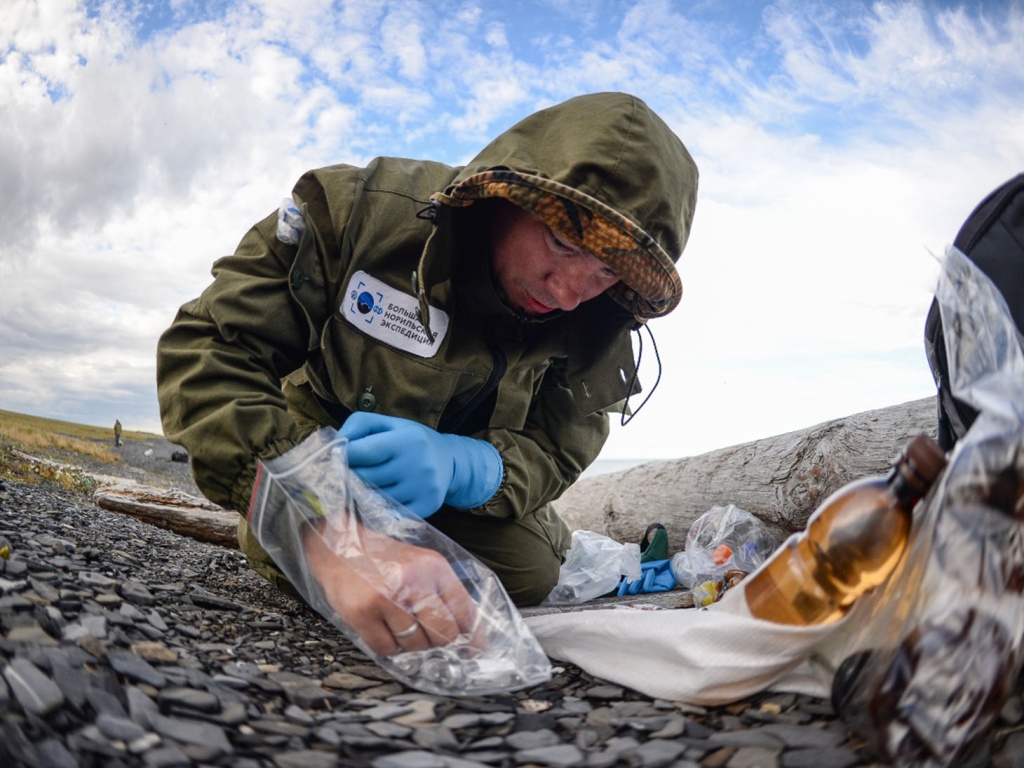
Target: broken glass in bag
x=308, y=505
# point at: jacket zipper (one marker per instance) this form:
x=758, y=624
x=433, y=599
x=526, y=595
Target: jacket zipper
x=499, y=366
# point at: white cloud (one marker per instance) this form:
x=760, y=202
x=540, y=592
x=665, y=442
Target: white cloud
x=904, y=59
x=402, y=40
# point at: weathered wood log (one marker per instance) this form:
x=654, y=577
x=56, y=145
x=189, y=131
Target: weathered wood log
x=171, y=509
x=781, y=480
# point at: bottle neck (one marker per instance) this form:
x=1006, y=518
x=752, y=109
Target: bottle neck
x=906, y=483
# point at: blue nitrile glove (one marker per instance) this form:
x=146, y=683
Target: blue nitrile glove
x=655, y=576
x=419, y=467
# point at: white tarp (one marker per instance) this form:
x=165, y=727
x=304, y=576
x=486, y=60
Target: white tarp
x=705, y=656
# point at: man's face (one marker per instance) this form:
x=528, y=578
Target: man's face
x=537, y=270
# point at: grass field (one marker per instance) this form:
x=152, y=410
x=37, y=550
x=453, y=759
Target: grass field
x=11, y=420
x=58, y=440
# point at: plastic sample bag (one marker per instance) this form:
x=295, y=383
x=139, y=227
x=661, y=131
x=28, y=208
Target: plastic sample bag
x=309, y=509
x=933, y=655
x=593, y=567
x=722, y=539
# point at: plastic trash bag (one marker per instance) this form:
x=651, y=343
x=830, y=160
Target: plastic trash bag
x=309, y=500
x=722, y=539
x=933, y=655
x=594, y=566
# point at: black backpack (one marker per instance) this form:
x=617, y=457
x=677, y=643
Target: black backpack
x=993, y=238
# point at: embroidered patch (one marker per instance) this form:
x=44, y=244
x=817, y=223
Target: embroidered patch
x=390, y=316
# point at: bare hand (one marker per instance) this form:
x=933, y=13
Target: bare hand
x=395, y=596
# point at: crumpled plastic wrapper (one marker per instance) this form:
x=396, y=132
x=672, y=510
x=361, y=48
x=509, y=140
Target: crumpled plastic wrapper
x=593, y=567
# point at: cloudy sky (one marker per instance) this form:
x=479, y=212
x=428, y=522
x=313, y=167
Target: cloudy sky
x=840, y=144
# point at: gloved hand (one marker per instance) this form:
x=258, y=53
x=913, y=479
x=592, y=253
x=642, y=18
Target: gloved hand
x=419, y=467
x=655, y=576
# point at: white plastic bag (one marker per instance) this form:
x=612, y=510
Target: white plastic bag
x=593, y=566
x=290, y=223
x=308, y=500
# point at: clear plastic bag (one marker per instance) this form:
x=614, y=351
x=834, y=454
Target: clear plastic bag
x=722, y=539
x=593, y=566
x=309, y=506
x=930, y=658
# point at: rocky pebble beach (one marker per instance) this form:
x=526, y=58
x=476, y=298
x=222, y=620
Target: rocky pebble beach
x=122, y=644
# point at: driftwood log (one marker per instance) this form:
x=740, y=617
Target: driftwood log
x=780, y=480
x=171, y=509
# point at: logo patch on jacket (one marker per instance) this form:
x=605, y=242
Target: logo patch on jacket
x=391, y=316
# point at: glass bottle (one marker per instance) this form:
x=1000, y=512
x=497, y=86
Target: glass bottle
x=851, y=543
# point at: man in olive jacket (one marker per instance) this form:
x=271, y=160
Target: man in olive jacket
x=466, y=328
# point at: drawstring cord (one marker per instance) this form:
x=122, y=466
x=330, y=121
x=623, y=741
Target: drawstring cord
x=632, y=382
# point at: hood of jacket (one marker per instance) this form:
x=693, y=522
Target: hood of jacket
x=607, y=173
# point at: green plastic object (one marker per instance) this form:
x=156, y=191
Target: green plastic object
x=654, y=545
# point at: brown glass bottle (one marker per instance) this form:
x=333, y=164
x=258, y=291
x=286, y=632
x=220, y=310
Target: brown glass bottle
x=851, y=543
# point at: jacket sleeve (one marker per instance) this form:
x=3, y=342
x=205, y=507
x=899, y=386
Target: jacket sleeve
x=220, y=364
x=548, y=454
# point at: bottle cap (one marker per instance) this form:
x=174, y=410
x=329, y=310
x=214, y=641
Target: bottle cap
x=926, y=460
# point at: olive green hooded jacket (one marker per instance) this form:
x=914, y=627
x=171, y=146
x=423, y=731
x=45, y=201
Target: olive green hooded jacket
x=387, y=304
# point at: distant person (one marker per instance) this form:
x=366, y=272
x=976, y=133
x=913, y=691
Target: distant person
x=466, y=328
x=117, y=433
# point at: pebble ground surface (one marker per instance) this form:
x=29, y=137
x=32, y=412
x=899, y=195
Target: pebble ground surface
x=122, y=644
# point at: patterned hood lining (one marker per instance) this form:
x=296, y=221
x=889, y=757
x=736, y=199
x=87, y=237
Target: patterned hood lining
x=649, y=287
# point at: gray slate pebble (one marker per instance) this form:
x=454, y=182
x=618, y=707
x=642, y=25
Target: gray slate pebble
x=192, y=732
x=188, y=699
x=136, y=668
x=34, y=691
x=53, y=754
x=526, y=740
x=755, y=737
x=120, y=728
x=798, y=736
x=836, y=757
x=166, y=757
x=655, y=754
x=411, y=759
x=306, y=758
x=754, y=757
x=558, y=756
